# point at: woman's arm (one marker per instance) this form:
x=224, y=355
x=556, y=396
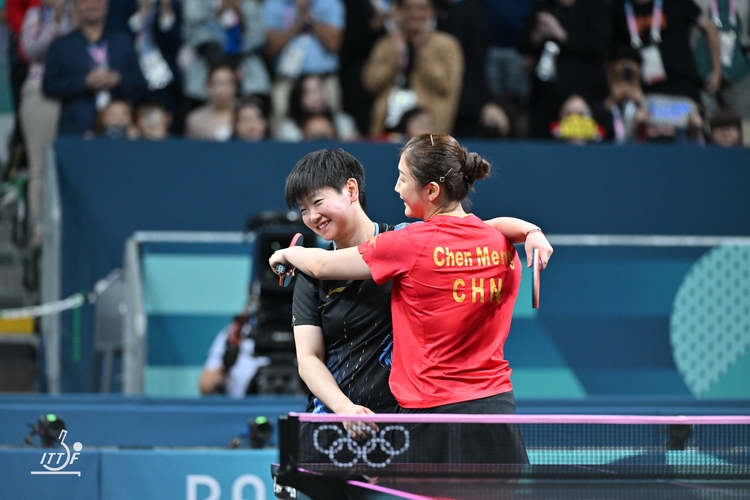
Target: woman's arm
x=310, y=347
x=520, y=231
x=346, y=264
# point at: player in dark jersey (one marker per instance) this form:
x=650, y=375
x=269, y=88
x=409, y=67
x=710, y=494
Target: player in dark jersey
x=343, y=329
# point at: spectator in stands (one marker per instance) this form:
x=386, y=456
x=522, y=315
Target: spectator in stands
x=17, y=67
x=39, y=114
x=156, y=29
x=319, y=127
x=667, y=63
x=364, y=25
x=731, y=18
x=225, y=30
x=506, y=72
x=467, y=21
x=251, y=122
x=214, y=120
x=414, y=66
x=576, y=124
x=231, y=366
x=307, y=97
x=494, y=121
x=303, y=37
x=115, y=121
x=626, y=109
x=153, y=120
x=90, y=66
x=726, y=128
x=567, y=41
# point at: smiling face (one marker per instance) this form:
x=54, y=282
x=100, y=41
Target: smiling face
x=327, y=212
x=410, y=191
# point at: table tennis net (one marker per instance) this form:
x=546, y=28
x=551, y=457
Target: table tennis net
x=557, y=446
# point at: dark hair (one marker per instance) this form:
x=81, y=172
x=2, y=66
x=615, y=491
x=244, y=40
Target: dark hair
x=440, y=158
x=297, y=112
x=99, y=125
x=324, y=168
x=223, y=64
x=725, y=118
x=258, y=101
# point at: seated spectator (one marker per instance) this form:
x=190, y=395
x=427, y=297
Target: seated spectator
x=667, y=63
x=155, y=27
x=506, y=70
x=115, y=121
x=567, y=41
x=226, y=30
x=39, y=114
x=494, y=122
x=414, y=66
x=307, y=97
x=251, y=123
x=626, y=110
x=467, y=20
x=319, y=127
x=364, y=25
x=732, y=21
x=231, y=365
x=576, y=125
x=726, y=128
x=153, y=120
x=214, y=120
x=89, y=67
x=303, y=37
x=413, y=122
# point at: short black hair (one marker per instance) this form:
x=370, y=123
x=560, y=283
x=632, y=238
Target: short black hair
x=324, y=168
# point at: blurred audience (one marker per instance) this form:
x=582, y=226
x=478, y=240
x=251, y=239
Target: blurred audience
x=115, y=121
x=88, y=67
x=223, y=30
x=303, y=37
x=156, y=27
x=731, y=18
x=319, y=127
x=494, y=121
x=625, y=106
x=506, y=69
x=307, y=97
x=725, y=128
x=467, y=21
x=251, y=121
x=153, y=120
x=659, y=31
x=576, y=124
x=567, y=41
x=39, y=114
x=364, y=24
x=414, y=66
x=214, y=120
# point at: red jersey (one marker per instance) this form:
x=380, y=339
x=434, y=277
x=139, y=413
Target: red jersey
x=455, y=282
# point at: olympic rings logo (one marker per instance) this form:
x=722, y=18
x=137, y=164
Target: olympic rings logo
x=361, y=451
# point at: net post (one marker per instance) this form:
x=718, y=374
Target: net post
x=288, y=444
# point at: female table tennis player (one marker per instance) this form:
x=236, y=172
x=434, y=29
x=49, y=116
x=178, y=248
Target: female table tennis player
x=454, y=284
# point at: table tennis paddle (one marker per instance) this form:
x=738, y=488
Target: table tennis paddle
x=285, y=279
x=535, y=268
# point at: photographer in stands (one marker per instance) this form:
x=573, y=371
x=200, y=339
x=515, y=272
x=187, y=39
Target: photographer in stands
x=231, y=366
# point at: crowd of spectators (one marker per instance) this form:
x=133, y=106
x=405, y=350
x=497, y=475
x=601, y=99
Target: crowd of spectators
x=293, y=70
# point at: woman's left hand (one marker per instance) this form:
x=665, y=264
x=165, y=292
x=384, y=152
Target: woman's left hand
x=539, y=241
